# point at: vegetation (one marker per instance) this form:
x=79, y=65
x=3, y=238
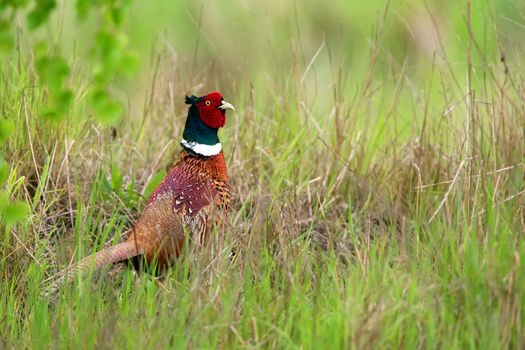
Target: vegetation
x=376, y=162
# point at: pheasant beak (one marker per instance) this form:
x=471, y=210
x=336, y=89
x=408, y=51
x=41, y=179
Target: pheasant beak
x=226, y=105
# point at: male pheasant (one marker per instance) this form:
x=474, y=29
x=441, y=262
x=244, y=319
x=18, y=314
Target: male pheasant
x=187, y=203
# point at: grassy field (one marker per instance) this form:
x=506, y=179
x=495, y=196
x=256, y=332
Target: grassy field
x=376, y=163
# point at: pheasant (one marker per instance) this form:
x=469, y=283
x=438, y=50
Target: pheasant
x=186, y=204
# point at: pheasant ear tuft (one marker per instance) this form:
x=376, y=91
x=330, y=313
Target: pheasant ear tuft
x=190, y=100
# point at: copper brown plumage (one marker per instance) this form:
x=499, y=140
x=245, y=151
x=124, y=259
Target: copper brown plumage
x=192, y=198
x=193, y=195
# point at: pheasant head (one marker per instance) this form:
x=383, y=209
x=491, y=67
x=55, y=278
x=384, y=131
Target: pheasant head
x=205, y=116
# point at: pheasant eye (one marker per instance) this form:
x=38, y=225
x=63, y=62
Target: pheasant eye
x=207, y=103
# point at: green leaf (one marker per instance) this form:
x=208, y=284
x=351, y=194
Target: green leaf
x=106, y=43
x=15, y=212
x=129, y=63
x=111, y=113
x=107, y=111
x=60, y=104
x=63, y=100
x=51, y=114
x=100, y=74
x=40, y=13
x=99, y=98
x=53, y=70
x=6, y=129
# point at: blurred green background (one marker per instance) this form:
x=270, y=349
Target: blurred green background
x=229, y=45
x=298, y=51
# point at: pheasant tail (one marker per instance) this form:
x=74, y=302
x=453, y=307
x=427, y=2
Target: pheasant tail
x=109, y=255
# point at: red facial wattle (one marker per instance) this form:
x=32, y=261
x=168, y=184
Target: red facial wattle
x=211, y=110
x=212, y=116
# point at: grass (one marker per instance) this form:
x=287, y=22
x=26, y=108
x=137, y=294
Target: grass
x=377, y=181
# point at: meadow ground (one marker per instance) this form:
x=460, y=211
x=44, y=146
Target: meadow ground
x=376, y=163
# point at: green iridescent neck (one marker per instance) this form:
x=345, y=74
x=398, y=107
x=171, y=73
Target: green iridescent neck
x=196, y=131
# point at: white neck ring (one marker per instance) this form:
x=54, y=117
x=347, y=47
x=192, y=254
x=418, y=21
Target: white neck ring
x=202, y=149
